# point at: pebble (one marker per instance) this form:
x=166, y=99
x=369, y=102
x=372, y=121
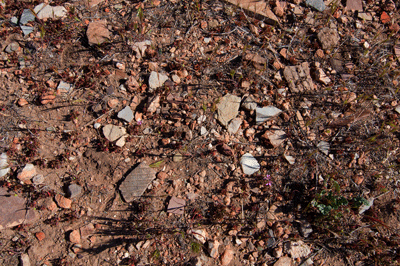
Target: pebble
x=297, y=249
x=97, y=32
x=13, y=210
x=200, y=234
x=177, y=157
x=323, y=146
x=305, y=228
x=113, y=133
x=365, y=16
x=26, y=16
x=354, y=5
x=284, y=261
x=24, y=260
x=12, y=47
x=291, y=160
x=213, y=248
x=75, y=236
x=317, y=4
x=38, y=179
x=4, y=169
x=27, y=173
x=234, y=125
x=140, y=48
x=228, y=108
x=40, y=236
x=126, y=114
x=176, y=206
x=64, y=87
x=63, y=202
x=156, y=79
x=97, y=125
x=137, y=181
x=74, y=191
x=227, y=256
x=22, y=102
x=203, y=131
x=299, y=78
x=329, y=38
x=46, y=11
x=322, y=77
x=266, y=113
x=249, y=164
x=154, y=104
x=249, y=104
x=274, y=137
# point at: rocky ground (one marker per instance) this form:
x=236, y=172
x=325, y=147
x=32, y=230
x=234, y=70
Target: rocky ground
x=199, y=132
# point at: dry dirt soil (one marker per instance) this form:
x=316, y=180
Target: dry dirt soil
x=325, y=186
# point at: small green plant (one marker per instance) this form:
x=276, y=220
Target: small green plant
x=195, y=247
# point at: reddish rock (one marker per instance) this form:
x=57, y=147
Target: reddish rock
x=40, y=236
x=385, y=18
x=75, y=236
x=63, y=202
x=22, y=102
x=162, y=175
x=47, y=98
x=97, y=32
x=227, y=256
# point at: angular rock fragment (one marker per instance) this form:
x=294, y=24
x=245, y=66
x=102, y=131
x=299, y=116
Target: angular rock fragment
x=329, y=38
x=44, y=11
x=257, y=7
x=323, y=146
x=213, y=248
x=176, y=206
x=249, y=104
x=298, y=77
x=266, y=113
x=97, y=32
x=154, y=103
x=200, y=234
x=136, y=183
x=274, y=137
x=227, y=108
x=227, y=256
x=234, y=125
x=317, y=4
x=156, y=79
x=297, y=249
x=284, y=261
x=13, y=210
x=322, y=77
x=126, y=114
x=140, y=48
x=4, y=169
x=74, y=190
x=291, y=160
x=354, y=5
x=113, y=133
x=27, y=173
x=249, y=164
x=26, y=16
x=63, y=202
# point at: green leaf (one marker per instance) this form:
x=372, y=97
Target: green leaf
x=156, y=164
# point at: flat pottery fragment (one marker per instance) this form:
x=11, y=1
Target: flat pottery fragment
x=137, y=181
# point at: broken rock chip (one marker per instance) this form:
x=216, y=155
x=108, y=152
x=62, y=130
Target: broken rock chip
x=249, y=164
x=156, y=79
x=4, y=169
x=44, y=11
x=274, y=137
x=113, y=133
x=140, y=48
x=266, y=113
x=297, y=249
x=234, y=125
x=323, y=146
x=200, y=234
x=317, y=4
x=27, y=173
x=249, y=104
x=257, y=7
x=284, y=261
x=298, y=77
x=176, y=206
x=97, y=32
x=329, y=38
x=13, y=210
x=227, y=256
x=137, y=181
x=227, y=108
x=63, y=202
x=126, y=114
x=354, y=5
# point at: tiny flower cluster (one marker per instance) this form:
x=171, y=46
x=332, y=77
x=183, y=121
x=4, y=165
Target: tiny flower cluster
x=268, y=179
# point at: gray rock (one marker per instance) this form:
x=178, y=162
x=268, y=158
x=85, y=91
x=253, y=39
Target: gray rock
x=27, y=16
x=26, y=30
x=13, y=210
x=113, y=133
x=249, y=103
x=24, y=260
x=298, y=77
x=137, y=181
x=329, y=38
x=317, y=4
x=249, y=164
x=234, y=125
x=51, y=12
x=266, y=113
x=38, y=179
x=274, y=136
x=156, y=79
x=12, y=47
x=126, y=114
x=323, y=146
x=64, y=87
x=176, y=206
x=4, y=169
x=14, y=20
x=227, y=108
x=203, y=131
x=74, y=191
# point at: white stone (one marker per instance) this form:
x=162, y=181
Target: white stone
x=290, y=159
x=140, y=48
x=48, y=11
x=156, y=79
x=203, y=131
x=113, y=133
x=249, y=164
x=4, y=169
x=97, y=125
x=200, y=234
x=323, y=146
x=228, y=108
x=234, y=125
x=126, y=114
x=297, y=249
x=266, y=113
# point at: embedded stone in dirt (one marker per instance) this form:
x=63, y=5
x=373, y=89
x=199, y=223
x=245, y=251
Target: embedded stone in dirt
x=274, y=137
x=126, y=114
x=75, y=236
x=299, y=78
x=64, y=87
x=200, y=234
x=290, y=159
x=140, y=48
x=234, y=125
x=24, y=260
x=26, y=16
x=228, y=108
x=63, y=202
x=156, y=79
x=284, y=261
x=4, y=169
x=113, y=133
x=176, y=206
x=44, y=11
x=354, y=5
x=227, y=256
x=249, y=164
x=323, y=146
x=249, y=104
x=74, y=191
x=154, y=103
x=258, y=7
x=137, y=181
x=297, y=249
x=40, y=236
x=97, y=32
x=213, y=248
x=317, y=4
x=27, y=173
x=329, y=38
x=13, y=210
x=92, y=3
x=266, y=113
x=305, y=228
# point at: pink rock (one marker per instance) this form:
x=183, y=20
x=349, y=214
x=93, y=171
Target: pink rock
x=75, y=237
x=63, y=202
x=27, y=173
x=227, y=256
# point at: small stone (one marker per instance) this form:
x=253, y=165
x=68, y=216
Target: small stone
x=136, y=183
x=329, y=38
x=26, y=16
x=113, y=103
x=298, y=77
x=47, y=98
x=40, y=236
x=24, y=260
x=317, y=4
x=97, y=32
x=274, y=137
x=126, y=114
x=92, y=3
x=75, y=236
x=12, y=47
x=323, y=146
x=290, y=159
x=49, y=204
x=38, y=179
x=227, y=108
x=213, y=248
x=305, y=228
x=203, y=131
x=364, y=207
x=4, y=169
x=234, y=125
x=176, y=79
x=284, y=261
x=27, y=173
x=113, y=133
x=249, y=164
x=358, y=179
x=322, y=77
x=249, y=104
x=22, y=102
x=64, y=87
x=200, y=234
x=177, y=157
x=156, y=80
x=365, y=16
x=278, y=10
x=277, y=252
x=266, y=113
x=87, y=231
x=97, y=125
x=154, y=104
x=297, y=249
x=176, y=206
x=47, y=11
x=63, y=202
x=227, y=256
x=74, y=191
x=13, y=210
x=140, y=48
x=354, y=5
